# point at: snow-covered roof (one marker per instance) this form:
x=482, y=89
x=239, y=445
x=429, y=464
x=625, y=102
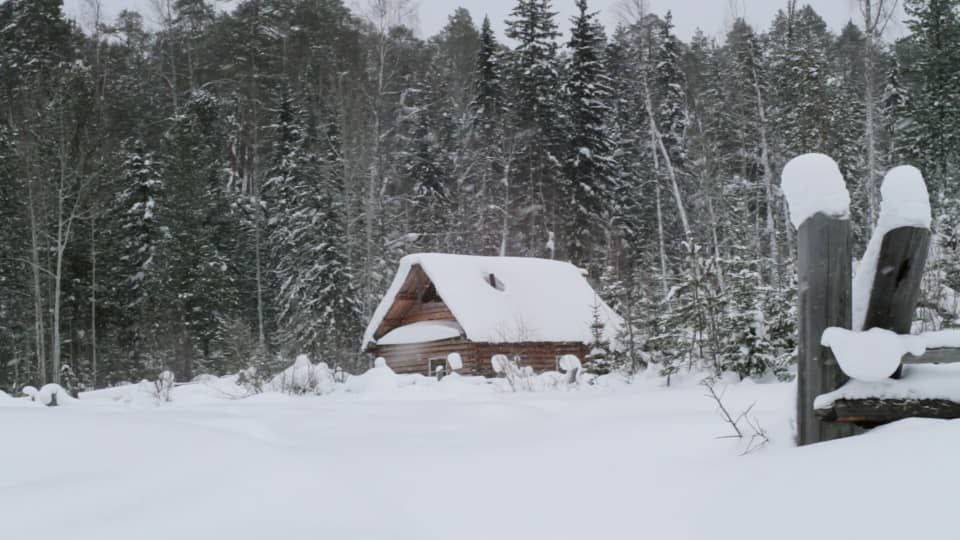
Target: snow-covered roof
x=421, y=332
x=527, y=300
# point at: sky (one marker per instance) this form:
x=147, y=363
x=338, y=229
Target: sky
x=712, y=16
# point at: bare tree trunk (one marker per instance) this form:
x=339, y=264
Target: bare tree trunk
x=505, y=209
x=714, y=237
x=771, y=205
x=657, y=139
x=93, y=297
x=873, y=205
x=662, y=245
x=876, y=16
x=39, y=327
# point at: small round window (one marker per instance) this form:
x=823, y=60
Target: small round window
x=493, y=281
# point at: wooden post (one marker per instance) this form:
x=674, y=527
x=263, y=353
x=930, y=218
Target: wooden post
x=896, y=285
x=824, y=296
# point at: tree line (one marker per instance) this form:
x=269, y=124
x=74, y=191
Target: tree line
x=224, y=187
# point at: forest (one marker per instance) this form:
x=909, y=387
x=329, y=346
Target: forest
x=224, y=190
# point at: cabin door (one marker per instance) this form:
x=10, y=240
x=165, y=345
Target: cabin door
x=435, y=364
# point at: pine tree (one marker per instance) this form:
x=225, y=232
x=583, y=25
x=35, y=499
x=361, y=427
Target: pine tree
x=489, y=141
x=745, y=348
x=317, y=304
x=141, y=237
x=931, y=56
x=534, y=78
x=632, y=199
x=589, y=166
x=488, y=103
x=15, y=334
x=204, y=231
x=671, y=95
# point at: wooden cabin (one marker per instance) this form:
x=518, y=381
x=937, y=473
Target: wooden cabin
x=534, y=310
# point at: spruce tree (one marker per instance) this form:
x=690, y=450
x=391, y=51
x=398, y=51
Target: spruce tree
x=317, y=302
x=140, y=239
x=671, y=93
x=931, y=56
x=589, y=166
x=534, y=79
x=489, y=140
x=204, y=231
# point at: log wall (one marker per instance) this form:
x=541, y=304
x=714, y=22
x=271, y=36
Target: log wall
x=415, y=358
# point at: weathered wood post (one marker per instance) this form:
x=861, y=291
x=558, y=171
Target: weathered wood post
x=887, y=287
x=820, y=209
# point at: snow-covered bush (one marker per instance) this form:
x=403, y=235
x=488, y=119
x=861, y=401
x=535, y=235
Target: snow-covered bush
x=51, y=395
x=30, y=391
x=519, y=378
x=163, y=387
x=570, y=365
x=303, y=377
x=455, y=361
x=379, y=379
x=70, y=381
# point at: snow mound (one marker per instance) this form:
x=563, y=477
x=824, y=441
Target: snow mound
x=53, y=392
x=303, y=377
x=870, y=356
x=30, y=391
x=813, y=184
x=380, y=379
x=905, y=203
x=458, y=384
x=455, y=361
x=569, y=362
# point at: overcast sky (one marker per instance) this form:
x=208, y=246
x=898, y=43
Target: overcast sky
x=712, y=16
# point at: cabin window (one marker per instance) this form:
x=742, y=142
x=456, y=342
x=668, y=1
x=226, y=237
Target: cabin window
x=430, y=295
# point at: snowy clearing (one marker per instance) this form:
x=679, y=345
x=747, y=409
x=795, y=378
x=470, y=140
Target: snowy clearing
x=433, y=460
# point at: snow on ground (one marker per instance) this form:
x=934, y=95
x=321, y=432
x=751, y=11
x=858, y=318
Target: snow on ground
x=431, y=460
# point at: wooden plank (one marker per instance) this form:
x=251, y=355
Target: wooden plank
x=934, y=356
x=896, y=285
x=824, y=296
x=875, y=412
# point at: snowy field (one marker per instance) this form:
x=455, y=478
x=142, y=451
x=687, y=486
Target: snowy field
x=458, y=461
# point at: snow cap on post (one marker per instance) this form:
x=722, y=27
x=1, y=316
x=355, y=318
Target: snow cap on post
x=905, y=202
x=813, y=185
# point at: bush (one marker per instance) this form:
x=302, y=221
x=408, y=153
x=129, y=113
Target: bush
x=163, y=387
x=303, y=377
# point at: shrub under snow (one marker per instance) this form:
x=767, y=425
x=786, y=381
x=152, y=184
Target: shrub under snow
x=379, y=379
x=455, y=361
x=51, y=395
x=303, y=377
